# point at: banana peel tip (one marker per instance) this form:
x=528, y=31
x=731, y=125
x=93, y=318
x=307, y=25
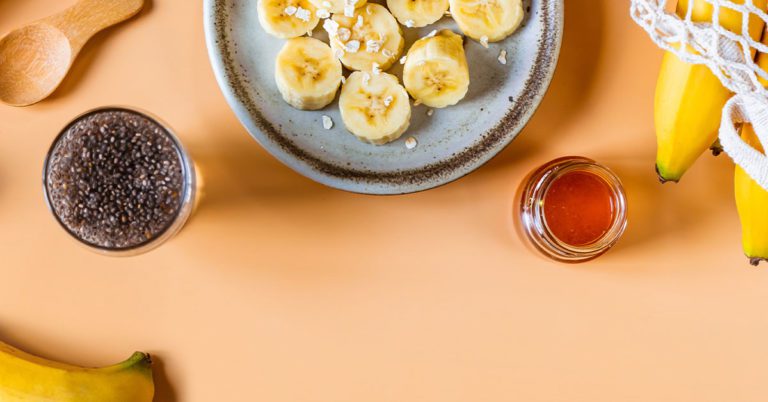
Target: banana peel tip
x=662, y=179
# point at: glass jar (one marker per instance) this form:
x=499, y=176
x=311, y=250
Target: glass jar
x=532, y=213
x=183, y=191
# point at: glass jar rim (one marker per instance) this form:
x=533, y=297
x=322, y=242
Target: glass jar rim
x=186, y=201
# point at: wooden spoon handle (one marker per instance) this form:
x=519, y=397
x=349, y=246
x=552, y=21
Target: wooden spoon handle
x=88, y=17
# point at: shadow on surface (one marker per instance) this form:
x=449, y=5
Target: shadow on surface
x=235, y=169
x=92, y=49
x=53, y=344
x=18, y=343
x=572, y=85
x=164, y=390
x=7, y=16
x=660, y=210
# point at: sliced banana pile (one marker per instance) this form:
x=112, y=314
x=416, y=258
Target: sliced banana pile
x=367, y=38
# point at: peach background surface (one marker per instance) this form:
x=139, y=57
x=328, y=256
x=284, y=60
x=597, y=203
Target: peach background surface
x=282, y=290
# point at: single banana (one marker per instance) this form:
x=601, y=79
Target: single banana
x=371, y=36
x=436, y=72
x=690, y=98
x=307, y=74
x=751, y=199
x=752, y=204
x=27, y=378
x=287, y=18
x=339, y=6
x=488, y=20
x=417, y=13
x=375, y=107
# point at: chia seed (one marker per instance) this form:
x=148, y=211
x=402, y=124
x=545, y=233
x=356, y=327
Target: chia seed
x=114, y=179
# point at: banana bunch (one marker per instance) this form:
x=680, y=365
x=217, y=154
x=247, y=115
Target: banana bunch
x=690, y=98
x=689, y=102
x=27, y=378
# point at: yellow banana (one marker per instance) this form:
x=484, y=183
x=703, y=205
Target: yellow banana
x=28, y=378
x=690, y=98
x=751, y=199
x=752, y=204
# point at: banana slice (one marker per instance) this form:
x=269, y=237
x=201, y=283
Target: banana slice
x=287, y=18
x=339, y=6
x=417, y=13
x=307, y=73
x=371, y=36
x=436, y=72
x=375, y=107
x=487, y=20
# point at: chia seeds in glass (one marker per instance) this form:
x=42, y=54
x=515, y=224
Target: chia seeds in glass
x=119, y=181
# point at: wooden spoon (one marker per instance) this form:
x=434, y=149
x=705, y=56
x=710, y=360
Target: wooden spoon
x=34, y=59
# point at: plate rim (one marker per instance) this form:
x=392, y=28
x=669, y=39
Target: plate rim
x=428, y=177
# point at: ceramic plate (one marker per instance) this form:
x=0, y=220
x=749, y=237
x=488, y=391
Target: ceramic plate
x=451, y=142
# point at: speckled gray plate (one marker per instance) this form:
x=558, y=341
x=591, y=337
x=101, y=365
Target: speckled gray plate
x=451, y=143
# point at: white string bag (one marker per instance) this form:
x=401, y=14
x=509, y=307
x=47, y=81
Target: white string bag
x=729, y=56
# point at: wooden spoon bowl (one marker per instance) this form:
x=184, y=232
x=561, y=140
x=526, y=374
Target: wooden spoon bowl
x=35, y=59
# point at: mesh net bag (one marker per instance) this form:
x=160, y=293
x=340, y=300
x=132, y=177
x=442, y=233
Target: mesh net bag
x=730, y=57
